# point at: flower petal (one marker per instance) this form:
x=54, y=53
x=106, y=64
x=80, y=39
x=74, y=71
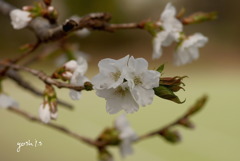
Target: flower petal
x=138, y=65
x=142, y=96
x=7, y=101
x=44, y=113
x=150, y=79
x=126, y=148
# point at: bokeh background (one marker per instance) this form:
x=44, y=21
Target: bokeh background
x=216, y=73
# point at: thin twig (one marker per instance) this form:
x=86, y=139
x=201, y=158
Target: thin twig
x=195, y=108
x=45, y=78
x=17, y=59
x=27, y=86
x=53, y=126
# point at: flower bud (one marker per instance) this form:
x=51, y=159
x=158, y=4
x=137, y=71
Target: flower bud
x=71, y=65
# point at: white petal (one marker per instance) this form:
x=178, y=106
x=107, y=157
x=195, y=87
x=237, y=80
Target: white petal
x=128, y=133
x=142, y=96
x=74, y=95
x=150, y=79
x=44, y=113
x=138, y=65
x=121, y=122
x=7, y=101
x=168, y=12
x=129, y=104
x=157, y=44
x=126, y=148
x=54, y=115
x=19, y=18
x=101, y=81
x=82, y=65
x=111, y=74
x=114, y=105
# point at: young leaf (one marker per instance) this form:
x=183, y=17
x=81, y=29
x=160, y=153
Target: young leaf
x=160, y=68
x=166, y=93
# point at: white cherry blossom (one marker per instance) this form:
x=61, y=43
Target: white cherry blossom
x=78, y=69
x=127, y=135
x=141, y=80
x=111, y=73
x=119, y=98
x=7, y=101
x=19, y=18
x=171, y=30
x=45, y=112
x=188, y=49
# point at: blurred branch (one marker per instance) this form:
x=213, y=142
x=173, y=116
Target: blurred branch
x=27, y=86
x=46, y=31
x=6, y=8
x=53, y=126
x=183, y=121
x=17, y=59
x=47, y=79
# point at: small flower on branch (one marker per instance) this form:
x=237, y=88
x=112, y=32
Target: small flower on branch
x=170, y=33
x=187, y=51
x=48, y=109
x=20, y=18
x=126, y=134
x=7, y=101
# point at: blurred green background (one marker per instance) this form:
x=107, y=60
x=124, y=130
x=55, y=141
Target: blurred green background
x=216, y=73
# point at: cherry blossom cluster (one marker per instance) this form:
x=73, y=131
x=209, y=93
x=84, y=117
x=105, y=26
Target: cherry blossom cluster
x=126, y=83
x=172, y=31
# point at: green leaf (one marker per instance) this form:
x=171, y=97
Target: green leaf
x=160, y=68
x=166, y=93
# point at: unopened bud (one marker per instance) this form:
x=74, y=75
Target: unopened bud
x=71, y=65
x=67, y=75
x=51, y=9
x=171, y=136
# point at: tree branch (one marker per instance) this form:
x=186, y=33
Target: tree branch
x=46, y=79
x=183, y=120
x=27, y=86
x=53, y=126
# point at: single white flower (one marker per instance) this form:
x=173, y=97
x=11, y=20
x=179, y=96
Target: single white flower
x=19, y=18
x=171, y=30
x=119, y=98
x=46, y=112
x=75, y=71
x=7, y=101
x=111, y=73
x=188, y=49
x=141, y=80
x=127, y=135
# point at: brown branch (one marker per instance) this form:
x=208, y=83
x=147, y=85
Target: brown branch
x=53, y=126
x=45, y=31
x=180, y=121
x=46, y=79
x=27, y=86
